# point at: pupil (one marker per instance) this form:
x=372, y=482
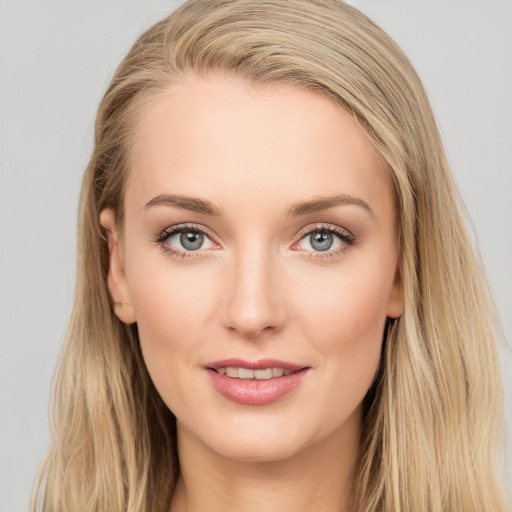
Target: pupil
x=191, y=240
x=321, y=241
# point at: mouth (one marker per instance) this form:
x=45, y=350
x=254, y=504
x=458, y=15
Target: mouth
x=255, y=383
x=263, y=369
x=247, y=373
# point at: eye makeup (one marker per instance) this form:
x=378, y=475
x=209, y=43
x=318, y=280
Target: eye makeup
x=326, y=241
x=318, y=241
x=192, y=237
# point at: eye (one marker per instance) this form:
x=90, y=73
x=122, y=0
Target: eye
x=189, y=240
x=184, y=239
x=321, y=240
x=325, y=239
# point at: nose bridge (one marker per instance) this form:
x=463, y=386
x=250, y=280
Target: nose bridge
x=253, y=302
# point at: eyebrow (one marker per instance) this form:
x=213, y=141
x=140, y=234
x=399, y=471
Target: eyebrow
x=193, y=204
x=324, y=203
x=198, y=205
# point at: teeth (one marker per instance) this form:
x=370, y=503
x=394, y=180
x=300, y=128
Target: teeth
x=246, y=373
x=277, y=372
x=232, y=372
x=263, y=374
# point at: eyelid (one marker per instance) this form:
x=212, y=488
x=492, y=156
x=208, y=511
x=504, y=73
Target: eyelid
x=176, y=228
x=332, y=228
x=161, y=237
x=344, y=235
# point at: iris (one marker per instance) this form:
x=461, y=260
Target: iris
x=321, y=240
x=191, y=240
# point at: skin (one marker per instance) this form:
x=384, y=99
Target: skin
x=257, y=288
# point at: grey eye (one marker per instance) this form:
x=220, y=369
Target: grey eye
x=185, y=239
x=321, y=240
x=191, y=240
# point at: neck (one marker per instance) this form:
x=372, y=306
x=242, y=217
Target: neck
x=318, y=478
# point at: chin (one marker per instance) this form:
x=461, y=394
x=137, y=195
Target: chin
x=267, y=439
x=278, y=447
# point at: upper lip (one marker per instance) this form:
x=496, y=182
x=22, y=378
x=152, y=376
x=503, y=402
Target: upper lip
x=260, y=364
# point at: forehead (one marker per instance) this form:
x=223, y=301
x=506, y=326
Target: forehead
x=229, y=141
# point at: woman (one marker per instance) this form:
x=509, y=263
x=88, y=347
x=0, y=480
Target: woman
x=277, y=302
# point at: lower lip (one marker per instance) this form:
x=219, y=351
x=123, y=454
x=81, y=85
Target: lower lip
x=253, y=391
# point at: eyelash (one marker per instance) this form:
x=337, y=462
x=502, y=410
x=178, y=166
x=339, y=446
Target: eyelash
x=347, y=239
x=345, y=236
x=181, y=228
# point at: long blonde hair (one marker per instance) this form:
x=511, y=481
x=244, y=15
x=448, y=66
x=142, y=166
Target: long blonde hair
x=433, y=416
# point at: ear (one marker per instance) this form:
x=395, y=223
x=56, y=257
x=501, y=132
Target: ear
x=116, y=277
x=395, y=305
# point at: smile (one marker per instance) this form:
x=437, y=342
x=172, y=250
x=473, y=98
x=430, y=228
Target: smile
x=255, y=383
x=247, y=373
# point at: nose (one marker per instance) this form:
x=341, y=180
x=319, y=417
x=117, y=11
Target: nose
x=254, y=302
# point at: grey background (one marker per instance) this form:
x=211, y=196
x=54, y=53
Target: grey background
x=55, y=61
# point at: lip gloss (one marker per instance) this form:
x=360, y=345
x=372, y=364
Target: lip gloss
x=255, y=391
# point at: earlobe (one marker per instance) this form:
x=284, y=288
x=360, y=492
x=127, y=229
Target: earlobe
x=116, y=277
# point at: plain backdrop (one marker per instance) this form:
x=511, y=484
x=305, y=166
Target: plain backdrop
x=55, y=61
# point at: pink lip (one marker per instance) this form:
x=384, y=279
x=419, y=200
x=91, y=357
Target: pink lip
x=252, y=391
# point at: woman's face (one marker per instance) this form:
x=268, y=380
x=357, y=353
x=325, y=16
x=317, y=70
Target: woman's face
x=258, y=259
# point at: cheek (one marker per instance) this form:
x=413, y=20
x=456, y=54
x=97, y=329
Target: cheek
x=344, y=319
x=170, y=306
x=346, y=308
x=166, y=296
